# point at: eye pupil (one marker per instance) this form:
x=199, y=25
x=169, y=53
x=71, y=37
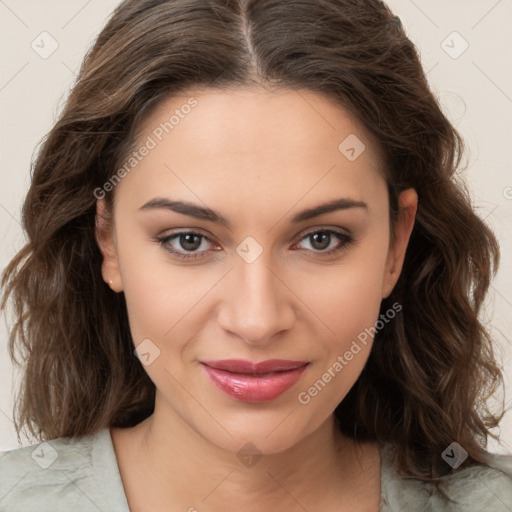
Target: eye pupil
x=324, y=236
x=188, y=239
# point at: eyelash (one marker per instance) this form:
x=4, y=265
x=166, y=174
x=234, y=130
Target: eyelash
x=343, y=237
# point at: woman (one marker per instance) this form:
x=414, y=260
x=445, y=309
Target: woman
x=251, y=279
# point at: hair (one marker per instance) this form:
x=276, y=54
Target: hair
x=431, y=371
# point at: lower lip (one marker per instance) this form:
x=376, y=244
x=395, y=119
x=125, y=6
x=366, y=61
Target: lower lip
x=251, y=388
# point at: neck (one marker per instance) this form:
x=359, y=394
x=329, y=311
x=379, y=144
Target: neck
x=184, y=468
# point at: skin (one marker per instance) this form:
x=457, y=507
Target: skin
x=257, y=158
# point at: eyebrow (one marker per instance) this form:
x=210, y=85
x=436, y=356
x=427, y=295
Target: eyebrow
x=203, y=213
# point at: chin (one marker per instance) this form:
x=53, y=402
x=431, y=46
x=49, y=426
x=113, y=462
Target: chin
x=271, y=434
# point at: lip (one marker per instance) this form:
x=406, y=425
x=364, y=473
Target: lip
x=254, y=382
x=250, y=368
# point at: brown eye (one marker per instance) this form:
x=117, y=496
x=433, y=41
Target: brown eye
x=184, y=244
x=320, y=240
x=189, y=241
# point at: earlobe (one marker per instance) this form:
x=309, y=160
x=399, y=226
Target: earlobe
x=408, y=205
x=104, y=235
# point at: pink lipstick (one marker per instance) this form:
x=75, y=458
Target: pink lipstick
x=254, y=382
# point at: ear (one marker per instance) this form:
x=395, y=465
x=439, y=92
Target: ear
x=407, y=207
x=105, y=239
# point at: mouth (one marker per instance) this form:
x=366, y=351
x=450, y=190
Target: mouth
x=254, y=382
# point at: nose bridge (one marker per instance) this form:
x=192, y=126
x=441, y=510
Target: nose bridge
x=256, y=306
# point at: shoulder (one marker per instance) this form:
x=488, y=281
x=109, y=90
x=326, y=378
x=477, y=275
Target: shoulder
x=471, y=489
x=480, y=487
x=61, y=474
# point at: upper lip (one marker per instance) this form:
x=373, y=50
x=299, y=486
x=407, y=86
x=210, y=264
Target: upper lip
x=248, y=367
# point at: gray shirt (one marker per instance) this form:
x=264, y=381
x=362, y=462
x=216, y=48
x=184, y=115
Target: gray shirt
x=81, y=475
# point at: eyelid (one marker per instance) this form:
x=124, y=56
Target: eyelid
x=335, y=229
x=344, y=235
x=162, y=239
x=297, y=238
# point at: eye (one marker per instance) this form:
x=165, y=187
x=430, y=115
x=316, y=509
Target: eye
x=189, y=241
x=191, y=245
x=320, y=240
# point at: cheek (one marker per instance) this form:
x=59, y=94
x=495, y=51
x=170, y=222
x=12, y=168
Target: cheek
x=348, y=296
x=157, y=293
x=349, y=306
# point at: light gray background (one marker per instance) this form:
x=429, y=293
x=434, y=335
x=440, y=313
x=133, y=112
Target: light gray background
x=475, y=88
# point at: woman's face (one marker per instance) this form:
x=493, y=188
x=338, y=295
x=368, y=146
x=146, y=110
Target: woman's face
x=267, y=277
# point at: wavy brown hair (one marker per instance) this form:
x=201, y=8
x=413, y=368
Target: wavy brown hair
x=430, y=372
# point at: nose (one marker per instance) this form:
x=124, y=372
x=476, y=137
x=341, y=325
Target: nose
x=256, y=303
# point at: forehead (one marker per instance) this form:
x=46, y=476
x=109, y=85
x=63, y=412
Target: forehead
x=246, y=116
x=237, y=143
